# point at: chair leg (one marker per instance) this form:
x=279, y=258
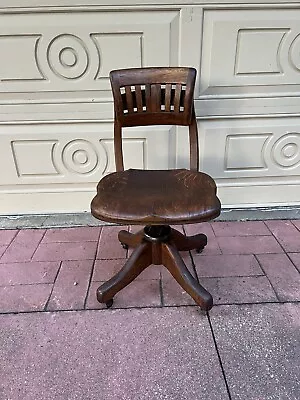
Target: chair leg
x=185, y=243
x=128, y=239
x=172, y=260
x=140, y=259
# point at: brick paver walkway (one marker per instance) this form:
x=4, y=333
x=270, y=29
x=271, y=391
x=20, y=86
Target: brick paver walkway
x=60, y=269
x=251, y=268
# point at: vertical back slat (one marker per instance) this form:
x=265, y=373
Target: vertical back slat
x=148, y=97
x=155, y=98
x=177, y=98
x=138, y=95
x=168, y=97
x=129, y=99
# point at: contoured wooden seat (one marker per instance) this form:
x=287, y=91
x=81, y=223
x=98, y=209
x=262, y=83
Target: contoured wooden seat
x=156, y=197
x=156, y=96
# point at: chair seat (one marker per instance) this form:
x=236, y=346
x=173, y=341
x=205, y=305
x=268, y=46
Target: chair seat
x=156, y=197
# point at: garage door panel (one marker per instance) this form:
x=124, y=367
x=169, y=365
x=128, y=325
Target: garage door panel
x=248, y=53
x=73, y=52
x=251, y=148
x=69, y=154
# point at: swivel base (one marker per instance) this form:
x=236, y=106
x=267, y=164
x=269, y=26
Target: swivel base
x=157, y=244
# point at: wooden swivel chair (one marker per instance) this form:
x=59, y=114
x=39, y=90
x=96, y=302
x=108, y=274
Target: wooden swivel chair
x=156, y=198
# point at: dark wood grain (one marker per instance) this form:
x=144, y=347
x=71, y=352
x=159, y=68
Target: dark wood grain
x=139, y=260
x=168, y=89
x=172, y=260
x=158, y=198
x=159, y=99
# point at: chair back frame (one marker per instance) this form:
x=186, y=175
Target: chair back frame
x=154, y=96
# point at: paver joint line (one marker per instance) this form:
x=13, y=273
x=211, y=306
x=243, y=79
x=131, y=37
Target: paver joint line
x=219, y=356
x=236, y=269
x=276, y=294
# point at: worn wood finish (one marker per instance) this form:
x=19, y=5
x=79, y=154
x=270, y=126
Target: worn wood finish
x=186, y=243
x=148, y=197
x=156, y=96
x=118, y=145
x=172, y=260
x=130, y=239
x=194, y=143
x=179, y=240
x=139, y=260
x=156, y=252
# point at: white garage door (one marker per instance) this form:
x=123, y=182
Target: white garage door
x=56, y=107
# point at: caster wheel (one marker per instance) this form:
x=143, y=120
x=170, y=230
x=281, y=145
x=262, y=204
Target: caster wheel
x=109, y=303
x=125, y=246
x=199, y=250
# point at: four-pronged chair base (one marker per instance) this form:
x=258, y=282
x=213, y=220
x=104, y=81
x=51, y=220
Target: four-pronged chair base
x=157, y=244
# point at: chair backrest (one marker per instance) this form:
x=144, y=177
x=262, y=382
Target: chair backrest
x=154, y=96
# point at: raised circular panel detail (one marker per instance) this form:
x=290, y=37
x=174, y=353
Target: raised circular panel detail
x=295, y=53
x=286, y=150
x=289, y=150
x=80, y=156
x=67, y=56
